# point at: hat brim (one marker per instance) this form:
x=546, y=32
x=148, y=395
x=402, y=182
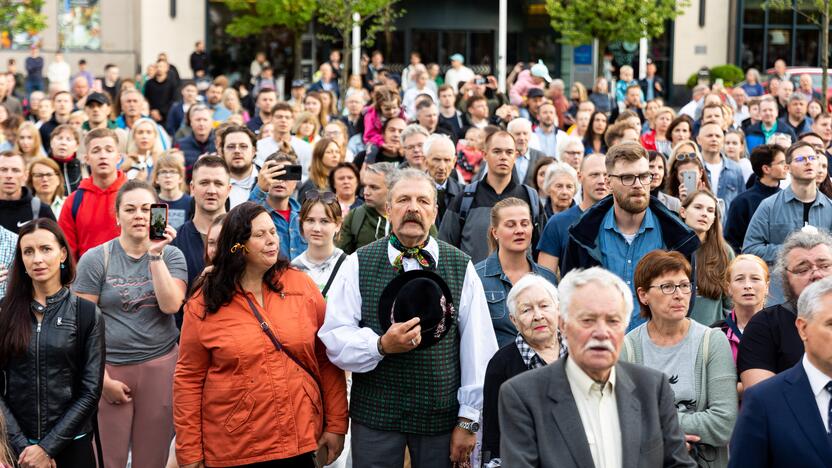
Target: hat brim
x=388, y=299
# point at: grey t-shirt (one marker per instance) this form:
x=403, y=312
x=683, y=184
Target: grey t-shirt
x=678, y=363
x=135, y=329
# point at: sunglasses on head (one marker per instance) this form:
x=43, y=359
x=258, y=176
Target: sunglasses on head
x=326, y=197
x=686, y=157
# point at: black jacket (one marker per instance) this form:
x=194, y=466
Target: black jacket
x=657, y=80
x=51, y=391
x=741, y=211
x=452, y=189
x=15, y=213
x=505, y=364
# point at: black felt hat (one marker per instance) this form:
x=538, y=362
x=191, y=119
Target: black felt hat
x=418, y=293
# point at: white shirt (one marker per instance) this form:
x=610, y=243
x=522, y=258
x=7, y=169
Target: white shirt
x=818, y=380
x=241, y=188
x=598, y=409
x=715, y=170
x=354, y=349
x=454, y=76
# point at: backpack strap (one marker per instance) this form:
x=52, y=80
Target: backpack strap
x=108, y=250
x=467, y=201
x=534, y=204
x=35, y=202
x=356, y=222
x=76, y=202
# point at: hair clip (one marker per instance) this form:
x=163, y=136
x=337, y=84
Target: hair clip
x=238, y=247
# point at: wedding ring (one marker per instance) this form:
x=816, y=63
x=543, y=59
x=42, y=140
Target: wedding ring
x=413, y=341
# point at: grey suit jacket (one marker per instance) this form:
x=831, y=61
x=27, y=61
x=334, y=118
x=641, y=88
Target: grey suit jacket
x=540, y=425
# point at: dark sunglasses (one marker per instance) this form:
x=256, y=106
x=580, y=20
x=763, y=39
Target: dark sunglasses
x=326, y=197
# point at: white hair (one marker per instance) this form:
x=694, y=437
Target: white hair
x=516, y=123
x=809, y=302
x=579, y=278
x=408, y=174
x=529, y=280
x=559, y=168
x=413, y=129
x=567, y=141
x=437, y=138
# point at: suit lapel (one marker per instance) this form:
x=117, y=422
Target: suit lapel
x=566, y=416
x=629, y=417
x=799, y=397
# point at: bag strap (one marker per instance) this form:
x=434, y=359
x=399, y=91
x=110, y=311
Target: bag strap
x=332, y=275
x=35, y=202
x=86, y=320
x=534, y=204
x=706, y=345
x=268, y=331
x=76, y=202
x=356, y=221
x=467, y=201
x=733, y=325
x=108, y=248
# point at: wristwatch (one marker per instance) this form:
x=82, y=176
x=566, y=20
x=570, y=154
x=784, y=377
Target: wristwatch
x=153, y=258
x=470, y=426
x=380, y=349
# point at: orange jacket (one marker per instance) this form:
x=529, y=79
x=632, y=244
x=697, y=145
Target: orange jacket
x=236, y=399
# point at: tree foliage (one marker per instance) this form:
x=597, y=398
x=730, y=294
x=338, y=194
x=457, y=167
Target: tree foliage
x=338, y=15
x=22, y=17
x=581, y=21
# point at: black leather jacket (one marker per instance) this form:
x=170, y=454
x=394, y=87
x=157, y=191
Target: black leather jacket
x=51, y=391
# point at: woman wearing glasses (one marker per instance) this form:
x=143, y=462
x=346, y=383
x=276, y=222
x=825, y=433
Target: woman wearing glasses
x=701, y=213
x=685, y=158
x=320, y=221
x=325, y=157
x=697, y=359
x=47, y=182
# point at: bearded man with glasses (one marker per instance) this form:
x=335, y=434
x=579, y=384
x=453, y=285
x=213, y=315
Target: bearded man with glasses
x=619, y=230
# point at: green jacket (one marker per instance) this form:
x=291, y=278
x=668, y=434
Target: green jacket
x=362, y=226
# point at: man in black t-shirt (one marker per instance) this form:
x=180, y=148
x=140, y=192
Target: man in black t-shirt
x=770, y=343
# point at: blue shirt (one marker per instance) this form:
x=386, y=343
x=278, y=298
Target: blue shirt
x=179, y=211
x=556, y=233
x=292, y=243
x=621, y=257
x=521, y=165
x=548, y=141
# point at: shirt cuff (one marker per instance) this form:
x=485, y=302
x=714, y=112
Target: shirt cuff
x=469, y=413
x=372, y=348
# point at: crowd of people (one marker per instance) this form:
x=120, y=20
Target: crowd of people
x=416, y=270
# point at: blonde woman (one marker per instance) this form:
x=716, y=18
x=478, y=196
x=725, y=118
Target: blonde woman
x=143, y=149
x=231, y=101
x=307, y=128
x=28, y=142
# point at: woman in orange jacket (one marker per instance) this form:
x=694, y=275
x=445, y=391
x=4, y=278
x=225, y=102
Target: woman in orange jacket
x=246, y=394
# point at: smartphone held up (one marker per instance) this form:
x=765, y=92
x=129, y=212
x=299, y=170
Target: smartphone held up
x=158, y=220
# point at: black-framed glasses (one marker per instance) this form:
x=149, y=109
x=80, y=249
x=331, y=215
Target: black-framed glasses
x=324, y=196
x=805, y=269
x=630, y=179
x=670, y=288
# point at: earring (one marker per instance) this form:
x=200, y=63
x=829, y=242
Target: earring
x=62, y=265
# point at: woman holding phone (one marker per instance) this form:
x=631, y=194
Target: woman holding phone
x=686, y=173
x=139, y=284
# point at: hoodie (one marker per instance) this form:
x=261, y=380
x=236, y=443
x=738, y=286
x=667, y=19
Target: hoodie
x=16, y=213
x=95, y=222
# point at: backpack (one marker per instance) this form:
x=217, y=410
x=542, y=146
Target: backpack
x=76, y=202
x=357, y=220
x=468, y=200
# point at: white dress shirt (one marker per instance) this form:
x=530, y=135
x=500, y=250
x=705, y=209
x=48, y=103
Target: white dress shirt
x=599, y=414
x=241, y=188
x=818, y=381
x=355, y=349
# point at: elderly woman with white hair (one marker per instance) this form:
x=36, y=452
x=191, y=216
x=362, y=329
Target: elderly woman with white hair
x=561, y=185
x=533, y=309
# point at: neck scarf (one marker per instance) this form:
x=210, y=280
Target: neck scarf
x=419, y=253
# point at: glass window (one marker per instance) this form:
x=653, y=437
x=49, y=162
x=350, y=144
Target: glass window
x=482, y=48
x=427, y=43
x=754, y=13
x=453, y=42
x=779, y=46
x=778, y=16
x=807, y=48
x=752, y=49
x=79, y=25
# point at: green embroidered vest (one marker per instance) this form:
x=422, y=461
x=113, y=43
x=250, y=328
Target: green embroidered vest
x=413, y=392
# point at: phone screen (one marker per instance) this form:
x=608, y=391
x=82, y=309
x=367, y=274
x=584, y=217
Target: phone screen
x=158, y=220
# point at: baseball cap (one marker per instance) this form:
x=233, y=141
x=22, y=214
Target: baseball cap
x=99, y=98
x=535, y=93
x=298, y=83
x=539, y=70
x=457, y=58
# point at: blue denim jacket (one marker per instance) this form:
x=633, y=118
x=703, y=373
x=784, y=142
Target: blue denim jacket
x=497, y=286
x=292, y=243
x=731, y=181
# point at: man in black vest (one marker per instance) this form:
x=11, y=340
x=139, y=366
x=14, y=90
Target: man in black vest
x=427, y=399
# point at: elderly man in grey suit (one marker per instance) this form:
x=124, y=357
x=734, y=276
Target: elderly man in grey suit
x=589, y=409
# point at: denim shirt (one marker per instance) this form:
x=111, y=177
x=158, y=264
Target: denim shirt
x=621, y=258
x=496, y=285
x=292, y=243
x=731, y=181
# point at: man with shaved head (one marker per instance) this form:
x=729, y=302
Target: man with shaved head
x=440, y=157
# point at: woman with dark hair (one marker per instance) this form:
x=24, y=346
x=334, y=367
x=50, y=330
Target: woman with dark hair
x=139, y=284
x=51, y=353
x=679, y=130
x=345, y=182
x=658, y=167
x=594, y=138
x=325, y=157
x=243, y=398
x=823, y=181
x=701, y=213
x=539, y=171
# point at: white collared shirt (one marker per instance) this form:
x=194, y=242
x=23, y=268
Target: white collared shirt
x=818, y=381
x=598, y=409
x=353, y=348
x=241, y=188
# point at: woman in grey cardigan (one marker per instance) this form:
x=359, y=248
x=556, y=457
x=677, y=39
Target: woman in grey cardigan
x=696, y=359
